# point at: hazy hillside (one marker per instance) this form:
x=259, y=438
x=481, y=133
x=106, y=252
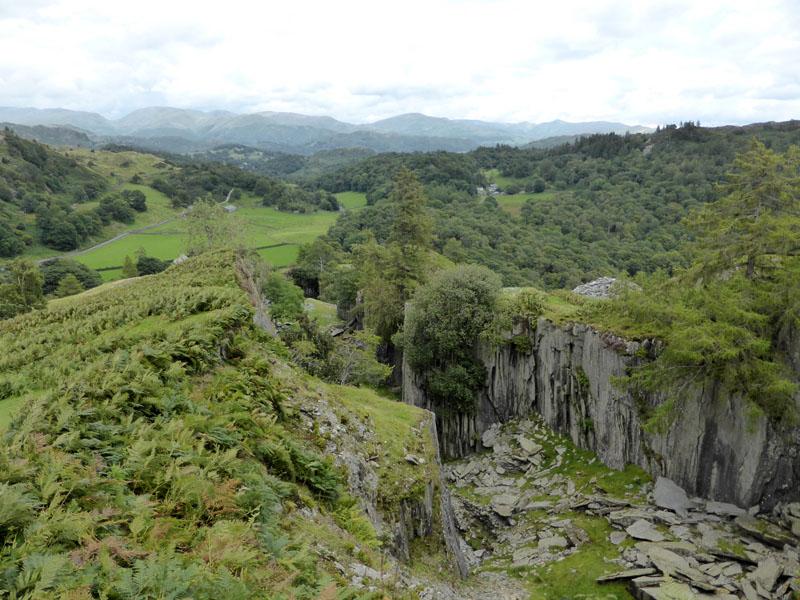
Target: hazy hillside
x=183, y=130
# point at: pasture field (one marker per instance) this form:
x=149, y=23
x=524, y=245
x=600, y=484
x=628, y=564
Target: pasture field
x=352, y=200
x=513, y=204
x=258, y=226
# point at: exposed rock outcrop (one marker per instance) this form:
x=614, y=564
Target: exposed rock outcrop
x=713, y=449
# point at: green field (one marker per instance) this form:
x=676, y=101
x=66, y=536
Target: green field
x=352, y=200
x=257, y=226
x=513, y=204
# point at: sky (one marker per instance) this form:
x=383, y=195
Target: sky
x=637, y=62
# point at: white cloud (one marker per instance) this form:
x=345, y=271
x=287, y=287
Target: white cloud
x=649, y=62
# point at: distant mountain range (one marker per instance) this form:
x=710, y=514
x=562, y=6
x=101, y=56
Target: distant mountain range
x=182, y=130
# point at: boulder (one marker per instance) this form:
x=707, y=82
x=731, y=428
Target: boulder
x=529, y=447
x=644, y=530
x=724, y=509
x=490, y=436
x=667, y=494
x=617, y=537
x=505, y=504
x=556, y=541
x=767, y=574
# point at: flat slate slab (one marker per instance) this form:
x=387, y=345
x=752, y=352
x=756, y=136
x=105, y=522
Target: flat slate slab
x=668, y=494
x=644, y=530
x=629, y=574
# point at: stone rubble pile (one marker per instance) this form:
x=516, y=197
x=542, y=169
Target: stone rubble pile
x=672, y=546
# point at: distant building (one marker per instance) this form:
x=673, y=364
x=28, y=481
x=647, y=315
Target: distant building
x=229, y=208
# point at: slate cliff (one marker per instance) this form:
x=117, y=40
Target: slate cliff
x=713, y=449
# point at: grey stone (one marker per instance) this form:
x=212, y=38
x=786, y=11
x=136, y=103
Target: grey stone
x=763, y=531
x=414, y=459
x=703, y=452
x=504, y=504
x=626, y=517
x=724, y=509
x=524, y=557
x=364, y=571
x=556, y=541
x=644, y=530
x=627, y=574
x=617, y=537
x=767, y=574
x=489, y=436
x=667, y=494
x=528, y=446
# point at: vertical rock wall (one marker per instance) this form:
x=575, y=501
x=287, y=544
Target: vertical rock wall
x=713, y=449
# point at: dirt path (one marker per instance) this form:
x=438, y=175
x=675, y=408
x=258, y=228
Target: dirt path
x=111, y=241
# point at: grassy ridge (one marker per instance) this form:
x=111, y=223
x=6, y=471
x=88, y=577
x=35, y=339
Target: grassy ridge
x=158, y=451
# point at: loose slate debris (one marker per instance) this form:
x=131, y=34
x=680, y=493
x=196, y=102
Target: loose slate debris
x=701, y=549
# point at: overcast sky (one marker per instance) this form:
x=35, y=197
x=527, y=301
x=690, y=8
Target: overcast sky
x=648, y=62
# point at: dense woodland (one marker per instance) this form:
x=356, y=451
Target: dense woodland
x=613, y=204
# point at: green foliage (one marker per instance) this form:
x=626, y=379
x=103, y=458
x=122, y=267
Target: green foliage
x=353, y=360
x=615, y=204
x=148, y=265
x=69, y=286
x=722, y=331
x=446, y=319
x=53, y=271
x=390, y=274
x=725, y=329
x=128, y=268
x=208, y=227
x=20, y=288
x=757, y=220
x=153, y=456
x=285, y=298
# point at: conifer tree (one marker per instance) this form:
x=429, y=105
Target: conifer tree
x=129, y=268
x=758, y=222
x=69, y=286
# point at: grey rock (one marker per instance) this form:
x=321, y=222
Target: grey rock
x=602, y=287
x=724, y=509
x=667, y=494
x=627, y=574
x=644, y=530
x=489, y=436
x=624, y=518
x=364, y=571
x=528, y=446
x=549, y=543
x=414, y=459
x=767, y=574
x=703, y=451
x=763, y=531
x=524, y=557
x=504, y=504
x=617, y=537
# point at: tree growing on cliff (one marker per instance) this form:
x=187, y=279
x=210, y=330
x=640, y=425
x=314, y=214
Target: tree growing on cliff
x=758, y=222
x=725, y=321
x=446, y=318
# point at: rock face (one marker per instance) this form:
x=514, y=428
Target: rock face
x=713, y=449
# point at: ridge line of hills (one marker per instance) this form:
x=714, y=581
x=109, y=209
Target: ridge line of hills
x=183, y=130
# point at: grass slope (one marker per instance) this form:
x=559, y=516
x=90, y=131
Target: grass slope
x=161, y=448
